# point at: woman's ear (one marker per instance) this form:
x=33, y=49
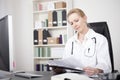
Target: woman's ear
x=85, y=18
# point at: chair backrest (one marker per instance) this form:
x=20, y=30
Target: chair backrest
x=102, y=28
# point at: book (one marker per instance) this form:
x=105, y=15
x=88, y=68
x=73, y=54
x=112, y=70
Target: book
x=36, y=52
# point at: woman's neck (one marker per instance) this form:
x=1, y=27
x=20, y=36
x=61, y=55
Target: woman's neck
x=82, y=34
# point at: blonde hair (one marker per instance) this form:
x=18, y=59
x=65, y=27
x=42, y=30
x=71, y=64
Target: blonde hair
x=76, y=10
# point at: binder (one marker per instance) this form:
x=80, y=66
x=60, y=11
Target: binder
x=64, y=20
x=35, y=37
x=40, y=37
x=50, y=19
x=45, y=35
x=55, y=18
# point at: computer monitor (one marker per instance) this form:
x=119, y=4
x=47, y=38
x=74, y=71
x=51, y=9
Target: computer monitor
x=6, y=43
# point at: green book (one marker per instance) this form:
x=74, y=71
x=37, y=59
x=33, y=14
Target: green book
x=36, y=51
x=43, y=52
x=48, y=52
x=40, y=52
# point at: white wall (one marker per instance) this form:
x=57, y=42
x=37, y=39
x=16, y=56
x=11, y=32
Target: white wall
x=23, y=25
x=104, y=10
x=5, y=7
x=21, y=10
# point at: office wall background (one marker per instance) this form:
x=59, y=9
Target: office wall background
x=23, y=28
x=102, y=10
x=21, y=10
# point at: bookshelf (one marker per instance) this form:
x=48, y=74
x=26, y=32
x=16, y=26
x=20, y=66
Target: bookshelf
x=50, y=30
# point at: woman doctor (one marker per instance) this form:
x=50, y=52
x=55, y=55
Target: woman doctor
x=87, y=46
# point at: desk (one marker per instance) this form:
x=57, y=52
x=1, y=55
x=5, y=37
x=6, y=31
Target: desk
x=47, y=76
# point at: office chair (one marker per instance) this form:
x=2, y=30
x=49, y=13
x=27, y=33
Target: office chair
x=102, y=28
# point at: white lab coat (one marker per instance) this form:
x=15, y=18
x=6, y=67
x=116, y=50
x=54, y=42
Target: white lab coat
x=93, y=51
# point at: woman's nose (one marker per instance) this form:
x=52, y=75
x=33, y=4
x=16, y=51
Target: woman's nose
x=74, y=25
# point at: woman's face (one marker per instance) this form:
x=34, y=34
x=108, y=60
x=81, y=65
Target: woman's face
x=77, y=22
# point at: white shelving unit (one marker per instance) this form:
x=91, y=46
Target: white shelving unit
x=41, y=9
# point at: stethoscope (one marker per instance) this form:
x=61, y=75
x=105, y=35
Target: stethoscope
x=88, y=49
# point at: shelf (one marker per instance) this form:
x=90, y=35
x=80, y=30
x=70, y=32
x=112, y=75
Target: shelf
x=50, y=45
x=57, y=27
x=44, y=11
x=49, y=16
x=46, y=58
x=45, y=0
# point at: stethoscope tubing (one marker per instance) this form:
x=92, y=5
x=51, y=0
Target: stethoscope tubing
x=95, y=41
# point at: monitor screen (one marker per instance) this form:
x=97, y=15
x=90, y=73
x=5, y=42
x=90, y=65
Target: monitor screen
x=6, y=43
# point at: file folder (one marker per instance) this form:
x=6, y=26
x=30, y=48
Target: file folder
x=64, y=21
x=67, y=68
x=35, y=37
x=55, y=18
x=40, y=37
x=45, y=35
x=50, y=19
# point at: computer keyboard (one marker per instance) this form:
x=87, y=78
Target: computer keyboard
x=5, y=74
x=28, y=75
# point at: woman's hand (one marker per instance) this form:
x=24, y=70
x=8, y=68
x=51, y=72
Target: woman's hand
x=58, y=70
x=92, y=71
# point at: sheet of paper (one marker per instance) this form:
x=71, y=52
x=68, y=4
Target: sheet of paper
x=68, y=62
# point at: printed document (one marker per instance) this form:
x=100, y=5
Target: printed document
x=66, y=63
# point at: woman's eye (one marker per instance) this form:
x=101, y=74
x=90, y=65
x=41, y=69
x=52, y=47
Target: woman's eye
x=76, y=20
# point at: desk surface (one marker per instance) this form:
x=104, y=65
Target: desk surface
x=47, y=76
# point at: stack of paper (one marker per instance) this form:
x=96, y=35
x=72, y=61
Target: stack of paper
x=70, y=76
x=68, y=63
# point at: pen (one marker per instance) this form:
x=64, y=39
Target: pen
x=72, y=48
